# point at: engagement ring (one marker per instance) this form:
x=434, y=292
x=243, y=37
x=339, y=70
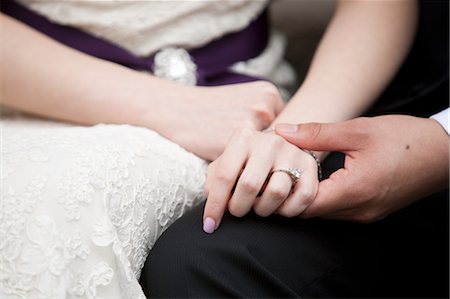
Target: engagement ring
x=294, y=173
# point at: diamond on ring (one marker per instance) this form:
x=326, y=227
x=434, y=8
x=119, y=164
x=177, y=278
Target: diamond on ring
x=294, y=173
x=175, y=64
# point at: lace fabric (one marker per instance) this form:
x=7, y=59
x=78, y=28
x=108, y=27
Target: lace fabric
x=82, y=206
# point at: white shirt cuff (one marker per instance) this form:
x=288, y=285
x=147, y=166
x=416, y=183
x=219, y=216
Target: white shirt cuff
x=443, y=118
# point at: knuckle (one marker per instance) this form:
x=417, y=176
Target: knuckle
x=223, y=175
x=263, y=115
x=249, y=185
x=262, y=212
x=277, y=193
x=269, y=91
x=310, y=162
x=249, y=123
x=307, y=196
x=243, y=133
x=275, y=144
x=276, y=141
x=286, y=212
x=236, y=209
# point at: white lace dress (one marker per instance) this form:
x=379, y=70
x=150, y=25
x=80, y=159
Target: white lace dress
x=82, y=206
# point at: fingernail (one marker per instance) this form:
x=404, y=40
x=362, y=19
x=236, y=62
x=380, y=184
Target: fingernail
x=286, y=128
x=209, y=225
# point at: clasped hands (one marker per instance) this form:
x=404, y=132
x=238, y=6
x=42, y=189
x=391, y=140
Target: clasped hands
x=390, y=162
x=243, y=178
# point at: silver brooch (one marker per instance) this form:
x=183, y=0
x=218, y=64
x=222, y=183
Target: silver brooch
x=175, y=64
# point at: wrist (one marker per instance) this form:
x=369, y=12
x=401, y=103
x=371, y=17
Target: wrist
x=157, y=102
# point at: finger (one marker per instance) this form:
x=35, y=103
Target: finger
x=250, y=183
x=222, y=181
x=279, y=104
x=210, y=176
x=211, y=171
x=342, y=136
x=333, y=195
x=276, y=191
x=303, y=194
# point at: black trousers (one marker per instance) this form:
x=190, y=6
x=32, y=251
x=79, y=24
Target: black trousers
x=404, y=255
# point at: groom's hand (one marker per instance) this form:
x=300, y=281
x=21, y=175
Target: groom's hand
x=390, y=162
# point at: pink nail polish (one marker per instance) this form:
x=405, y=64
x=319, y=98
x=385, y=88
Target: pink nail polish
x=286, y=128
x=209, y=225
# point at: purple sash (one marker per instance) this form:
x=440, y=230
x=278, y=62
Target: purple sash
x=212, y=60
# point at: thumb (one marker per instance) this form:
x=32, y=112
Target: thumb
x=320, y=136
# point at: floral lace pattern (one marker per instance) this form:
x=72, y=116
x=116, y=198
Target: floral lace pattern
x=82, y=206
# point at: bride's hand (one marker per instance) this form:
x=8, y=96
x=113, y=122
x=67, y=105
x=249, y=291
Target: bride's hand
x=203, y=118
x=245, y=177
